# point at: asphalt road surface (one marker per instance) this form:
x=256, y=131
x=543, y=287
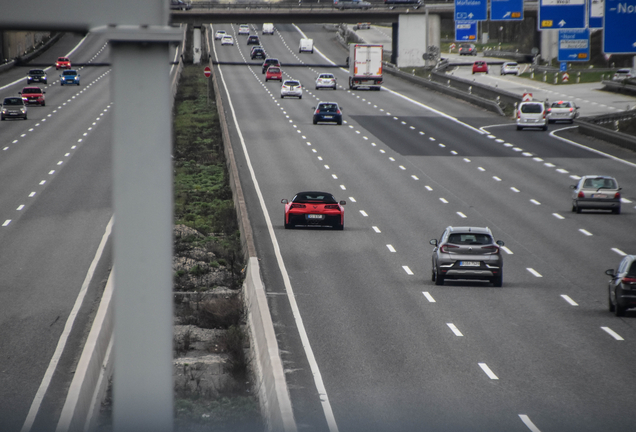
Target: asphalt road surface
x=393, y=351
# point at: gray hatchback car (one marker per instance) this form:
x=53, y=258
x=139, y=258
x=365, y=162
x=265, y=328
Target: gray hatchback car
x=467, y=253
x=596, y=192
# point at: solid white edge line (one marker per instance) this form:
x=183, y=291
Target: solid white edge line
x=488, y=372
x=574, y=143
x=320, y=387
x=526, y=420
x=61, y=344
x=612, y=333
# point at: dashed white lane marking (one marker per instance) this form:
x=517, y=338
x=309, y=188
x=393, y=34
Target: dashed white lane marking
x=454, y=329
x=486, y=369
x=363, y=213
x=376, y=229
x=462, y=215
x=326, y=166
x=496, y=178
x=526, y=420
x=402, y=167
x=508, y=251
x=443, y=200
x=20, y=207
x=334, y=176
x=352, y=199
x=558, y=216
x=534, y=272
x=415, y=177
x=618, y=251
x=586, y=232
x=7, y=222
x=32, y=194
x=407, y=270
x=428, y=188
x=612, y=333
x=569, y=300
x=626, y=201
x=538, y=159
x=535, y=202
x=514, y=189
x=550, y=165
x=481, y=169
x=466, y=160
x=343, y=187
x=429, y=297
x=390, y=248
x=562, y=171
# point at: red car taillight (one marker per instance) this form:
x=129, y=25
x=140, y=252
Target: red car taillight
x=317, y=111
x=490, y=249
x=445, y=248
x=338, y=112
x=629, y=280
x=549, y=110
x=571, y=109
x=298, y=206
x=519, y=114
x=581, y=195
x=332, y=207
x=617, y=195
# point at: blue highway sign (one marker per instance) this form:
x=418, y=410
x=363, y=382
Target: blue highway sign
x=619, y=29
x=471, y=10
x=506, y=10
x=574, y=45
x=562, y=14
x=596, y=9
x=466, y=31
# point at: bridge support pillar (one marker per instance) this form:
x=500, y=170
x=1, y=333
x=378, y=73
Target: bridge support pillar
x=549, y=44
x=415, y=32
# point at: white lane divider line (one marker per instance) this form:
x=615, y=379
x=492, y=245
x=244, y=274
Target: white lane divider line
x=391, y=248
x=558, y=216
x=538, y=159
x=376, y=229
x=343, y=187
x=481, y=169
x=334, y=176
x=496, y=178
x=461, y=215
x=535, y=202
x=506, y=250
x=415, y=177
x=562, y=171
x=363, y=213
x=402, y=167
x=586, y=232
x=443, y=200
x=612, y=333
x=515, y=190
x=429, y=297
x=454, y=329
x=407, y=270
x=428, y=188
x=486, y=369
x=526, y=420
x=569, y=300
x=618, y=251
x=352, y=199
x=326, y=166
x=20, y=207
x=550, y=165
x=6, y=223
x=534, y=272
x=626, y=201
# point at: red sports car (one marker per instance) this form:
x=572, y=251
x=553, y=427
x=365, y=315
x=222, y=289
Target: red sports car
x=480, y=66
x=274, y=73
x=63, y=63
x=33, y=95
x=314, y=209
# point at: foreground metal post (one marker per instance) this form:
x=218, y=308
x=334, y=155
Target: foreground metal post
x=142, y=199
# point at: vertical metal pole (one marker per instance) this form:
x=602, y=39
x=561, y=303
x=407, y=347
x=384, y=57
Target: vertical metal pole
x=142, y=198
x=426, y=36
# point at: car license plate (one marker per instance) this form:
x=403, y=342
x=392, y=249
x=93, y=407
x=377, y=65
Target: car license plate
x=314, y=216
x=469, y=264
x=328, y=116
x=599, y=196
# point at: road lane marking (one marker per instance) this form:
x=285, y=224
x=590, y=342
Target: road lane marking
x=496, y=178
x=334, y=176
x=352, y=199
x=526, y=420
x=429, y=297
x=612, y=333
x=443, y=200
x=390, y=248
x=486, y=369
x=376, y=229
x=535, y=202
x=508, y=251
x=428, y=188
x=558, y=216
x=7, y=222
x=415, y=177
x=407, y=270
x=618, y=251
x=363, y=213
x=481, y=169
x=454, y=329
x=343, y=187
x=402, y=167
x=569, y=300
x=514, y=189
x=534, y=272
x=587, y=233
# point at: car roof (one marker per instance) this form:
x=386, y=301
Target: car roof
x=314, y=193
x=467, y=229
x=31, y=87
x=323, y=102
x=36, y=70
x=68, y=71
x=597, y=177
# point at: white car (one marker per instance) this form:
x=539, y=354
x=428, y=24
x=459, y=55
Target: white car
x=622, y=74
x=219, y=34
x=244, y=29
x=510, y=68
x=326, y=80
x=291, y=88
x=532, y=114
x=268, y=28
x=227, y=40
x=563, y=111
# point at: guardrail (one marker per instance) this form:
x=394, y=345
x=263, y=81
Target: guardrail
x=619, y=86
x=593, y=126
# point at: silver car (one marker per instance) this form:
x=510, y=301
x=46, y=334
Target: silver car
x=509, y=68
x=596, y=192
x=532, y=114
x=563, y=111
x=467, y=253
x=291, y=88
x=326, y=80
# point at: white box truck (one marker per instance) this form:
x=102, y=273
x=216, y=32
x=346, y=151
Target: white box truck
x=365, y=66
x=306, y=45
x=268, y=28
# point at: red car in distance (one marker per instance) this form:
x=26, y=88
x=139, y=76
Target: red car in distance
x=314, y=209
x=274, y=73
x=33, y=95
x=63, y=63
x=480, y=66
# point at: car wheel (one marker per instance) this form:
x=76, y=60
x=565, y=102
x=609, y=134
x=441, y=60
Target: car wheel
x=609, y=303
x=339, y=227
x=578, y=209
x=316, y=87
x=618, y=310
x=2, y=118
x=300, y=97
x=573, y=208
x=25, y=117
x=439, y=280
x=432, y=274
x=43, y=103
x=545, y=128
x=282, y=97
x=519, y=128
x=315, y=121
x=288, y=226
x=265, y=79
x=617, y=210
x=339, y=122
x=498, y=281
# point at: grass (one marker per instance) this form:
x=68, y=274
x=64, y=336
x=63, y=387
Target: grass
x=586, y=76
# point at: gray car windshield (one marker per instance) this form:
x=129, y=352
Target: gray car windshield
x=470, y=239
x=13, y=101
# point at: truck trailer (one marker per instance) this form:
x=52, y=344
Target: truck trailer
x=365, y=66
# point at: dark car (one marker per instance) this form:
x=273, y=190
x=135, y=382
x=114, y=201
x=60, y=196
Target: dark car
x=36, y=75
x=467, y=49
x=622, y=286
x=328, y=112
x=270, y=62
x=253, y=40
x=467, y=253
x=33, y=95
x=180, y=5
x=314, y=209
x=13, y=107
x=257, y=52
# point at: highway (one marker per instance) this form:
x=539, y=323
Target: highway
x=369, y=343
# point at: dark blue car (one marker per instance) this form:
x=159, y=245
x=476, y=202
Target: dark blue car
x=70, y=77
x=328, y=112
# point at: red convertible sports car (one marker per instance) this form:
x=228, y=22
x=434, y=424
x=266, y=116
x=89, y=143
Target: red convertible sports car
x=314, y=209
